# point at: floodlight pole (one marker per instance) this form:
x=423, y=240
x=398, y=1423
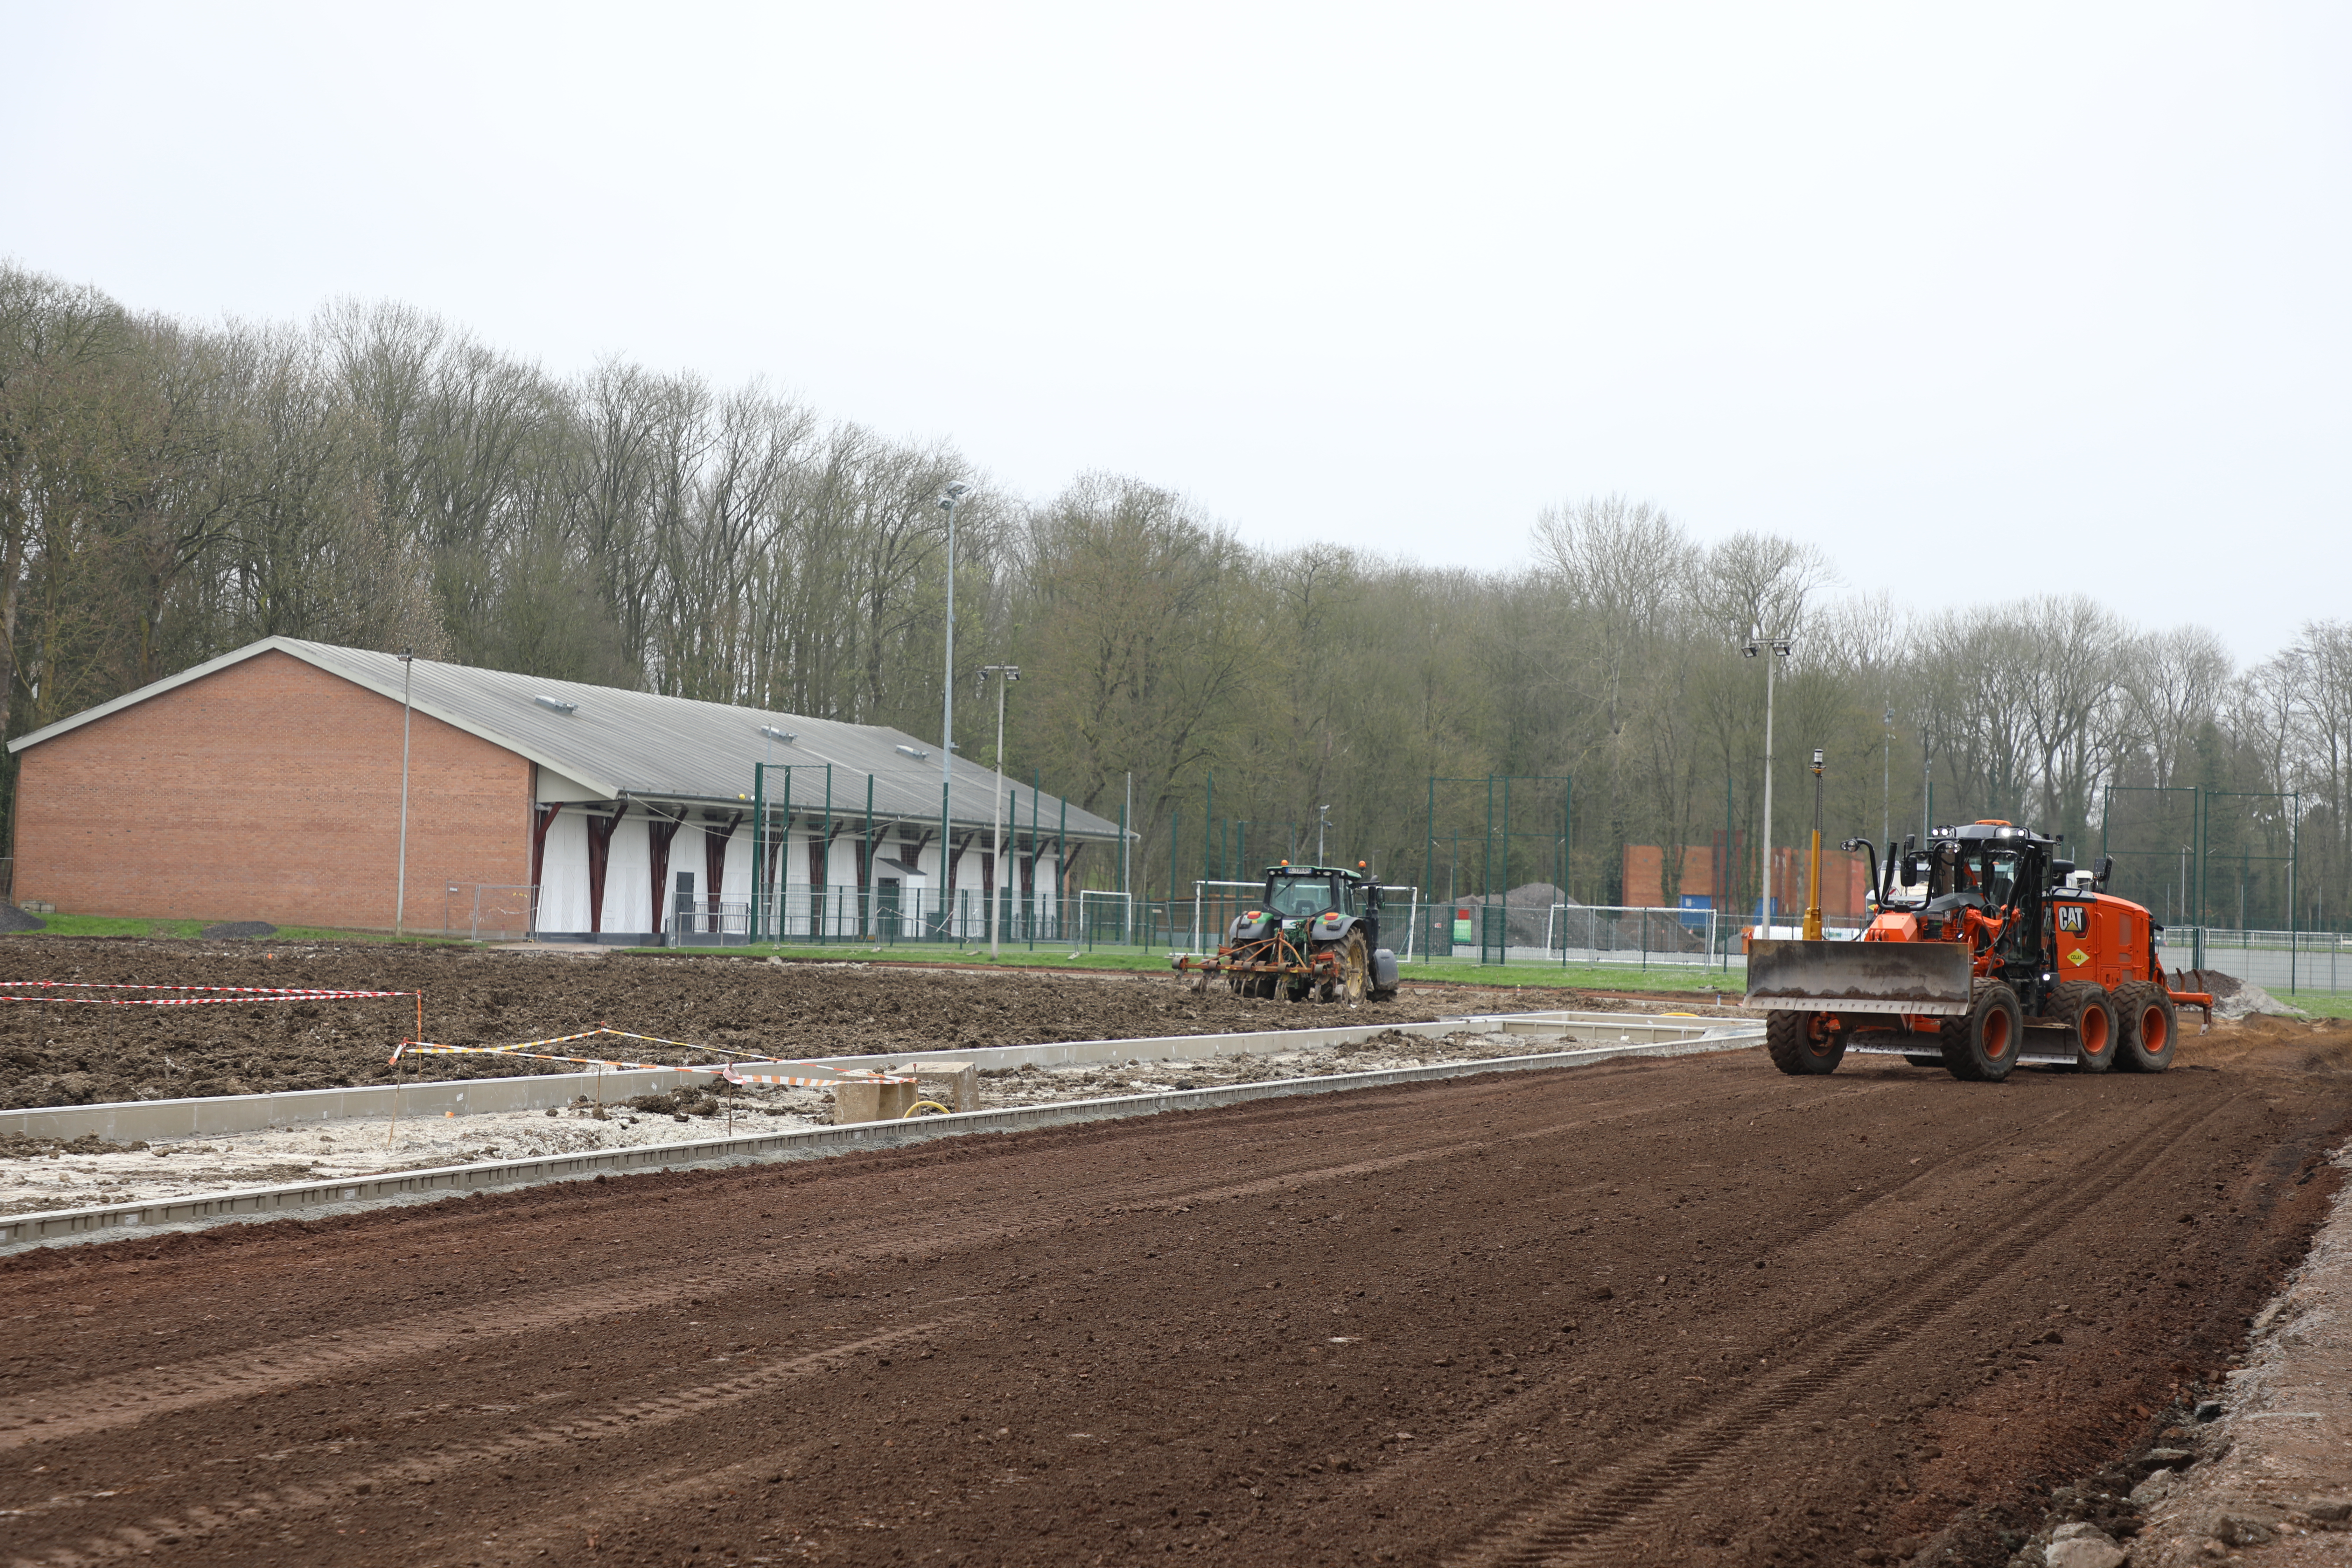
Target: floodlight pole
x=949, y=498
x=1006, y=674
x=1779, y=650
x=1322, y=820
x=407, y=658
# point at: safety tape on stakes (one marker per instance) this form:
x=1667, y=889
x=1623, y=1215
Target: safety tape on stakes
x=225, y=994
x=604, y=1029
x=722, y=1069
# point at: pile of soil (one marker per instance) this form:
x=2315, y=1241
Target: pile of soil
x=13, y=918
x=54, y=1052
x=228, y=928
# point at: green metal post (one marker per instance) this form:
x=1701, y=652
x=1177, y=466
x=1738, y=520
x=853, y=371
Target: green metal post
x=947, y=846
x=865, y=860
x=1061, y=867
x=1429, y=873
x=1035, y=780
x=758, y=841
x=824, y=859
x=1209, y=827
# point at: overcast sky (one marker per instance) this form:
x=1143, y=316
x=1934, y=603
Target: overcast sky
x=1984, y=300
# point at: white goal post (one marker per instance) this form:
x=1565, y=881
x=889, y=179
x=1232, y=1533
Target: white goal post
x=1127, y=911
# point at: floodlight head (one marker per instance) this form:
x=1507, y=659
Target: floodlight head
x=1747, y=650
x=915, y=751
x=786, y=736
x=953, y=494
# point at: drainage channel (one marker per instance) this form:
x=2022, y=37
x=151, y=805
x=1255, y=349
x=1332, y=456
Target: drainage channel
x=1636, y=1036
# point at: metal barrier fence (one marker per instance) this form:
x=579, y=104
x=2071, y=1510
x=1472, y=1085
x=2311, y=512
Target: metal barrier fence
x=2282, y=962
x=489, y=911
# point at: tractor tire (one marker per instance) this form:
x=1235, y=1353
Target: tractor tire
x=1981, y=1045
x=2086, y=1009
x=1355, y=969
x=2149, y=1027
x=1800, y=1047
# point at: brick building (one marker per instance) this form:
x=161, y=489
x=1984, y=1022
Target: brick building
x=265, y=784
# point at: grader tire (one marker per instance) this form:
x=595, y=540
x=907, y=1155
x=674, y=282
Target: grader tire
x=1800, y=1045
x=1981, y=1045
x=2150, y=1028
x=2089, y=1013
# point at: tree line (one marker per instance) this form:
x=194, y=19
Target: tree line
x=378, y=477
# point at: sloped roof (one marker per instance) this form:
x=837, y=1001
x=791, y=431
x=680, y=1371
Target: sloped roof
x=617, y=742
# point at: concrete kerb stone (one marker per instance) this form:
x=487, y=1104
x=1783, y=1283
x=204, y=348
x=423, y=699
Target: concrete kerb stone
x=316, y=1200
x=220, y=1116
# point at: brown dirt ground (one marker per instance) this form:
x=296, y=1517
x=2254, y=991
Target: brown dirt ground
x=1674, y=1311
x=56, y=1053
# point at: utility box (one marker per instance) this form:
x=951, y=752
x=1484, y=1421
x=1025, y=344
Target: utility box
x=855, y=1102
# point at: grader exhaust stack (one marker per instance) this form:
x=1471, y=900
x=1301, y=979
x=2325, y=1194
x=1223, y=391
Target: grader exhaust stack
x=1929, y=978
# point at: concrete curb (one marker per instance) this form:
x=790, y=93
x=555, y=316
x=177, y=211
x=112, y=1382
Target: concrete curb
x=352, y=1195
x=219, y=1116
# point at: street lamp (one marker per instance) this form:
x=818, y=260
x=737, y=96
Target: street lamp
x=1755, y=646
x=407, y=658
x=1006, y=675
x=1322, y=821
x=949, y=499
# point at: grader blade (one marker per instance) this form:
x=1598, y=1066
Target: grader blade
x=1926, y=977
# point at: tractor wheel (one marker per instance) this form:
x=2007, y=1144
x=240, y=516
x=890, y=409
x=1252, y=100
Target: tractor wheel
x=1801, y=1046
x=1981, y=1045
x=2149, y=1028
x=2086, y=1009
x=1355, y=969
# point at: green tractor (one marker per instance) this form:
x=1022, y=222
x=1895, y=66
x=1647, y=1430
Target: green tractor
x=1315, y=936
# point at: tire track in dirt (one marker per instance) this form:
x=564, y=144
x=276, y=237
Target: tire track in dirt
x=197, y=1521
x=128, y=1398
x=1581, y=1529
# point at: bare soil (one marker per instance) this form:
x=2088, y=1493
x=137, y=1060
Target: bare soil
x=60, y=1053
x=1671, y=1311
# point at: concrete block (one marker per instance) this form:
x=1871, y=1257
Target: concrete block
x=955, y=1084
x=871, y=1102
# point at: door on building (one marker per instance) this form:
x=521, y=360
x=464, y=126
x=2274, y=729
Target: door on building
x=886, y=907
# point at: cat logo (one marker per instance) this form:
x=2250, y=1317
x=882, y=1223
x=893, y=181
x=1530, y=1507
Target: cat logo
x=2072, y=918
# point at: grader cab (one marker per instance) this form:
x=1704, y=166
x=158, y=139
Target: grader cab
x=1986, y=950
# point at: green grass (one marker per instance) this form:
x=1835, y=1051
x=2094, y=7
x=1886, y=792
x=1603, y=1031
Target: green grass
x=137, y=925
x=1532, y=976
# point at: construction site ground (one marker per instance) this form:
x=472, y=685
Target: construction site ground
x=54, y=1052
x=1684, y=1310
x=43, y=1174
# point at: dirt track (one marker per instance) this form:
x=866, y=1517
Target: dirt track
x=73, y=1054
x=1661, y=1313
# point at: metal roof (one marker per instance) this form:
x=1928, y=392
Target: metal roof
x=637, y=744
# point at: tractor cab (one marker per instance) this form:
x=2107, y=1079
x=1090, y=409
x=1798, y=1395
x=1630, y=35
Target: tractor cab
x=1300, y=896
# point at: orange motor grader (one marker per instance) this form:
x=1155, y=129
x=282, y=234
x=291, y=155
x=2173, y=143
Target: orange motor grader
x=1986, y=951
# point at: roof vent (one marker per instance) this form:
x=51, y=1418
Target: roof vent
x=786, y=736
x=915, y=751
x=554, y=705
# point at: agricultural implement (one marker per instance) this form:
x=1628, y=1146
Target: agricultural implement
x=1986, y=951
x=1315, y=936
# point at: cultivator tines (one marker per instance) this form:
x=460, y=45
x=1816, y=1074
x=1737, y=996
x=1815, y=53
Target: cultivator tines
x=1276, y=956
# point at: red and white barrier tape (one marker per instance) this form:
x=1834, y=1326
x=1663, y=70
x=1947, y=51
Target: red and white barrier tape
x=216, y=994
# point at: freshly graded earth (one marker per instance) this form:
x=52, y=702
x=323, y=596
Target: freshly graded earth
x=1672, y=1311
x=54, y=1052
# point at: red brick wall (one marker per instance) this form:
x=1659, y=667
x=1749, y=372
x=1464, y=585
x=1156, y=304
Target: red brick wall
x=271, y=791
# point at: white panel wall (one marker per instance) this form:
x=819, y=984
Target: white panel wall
x=628, y=886
x=564, y=875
